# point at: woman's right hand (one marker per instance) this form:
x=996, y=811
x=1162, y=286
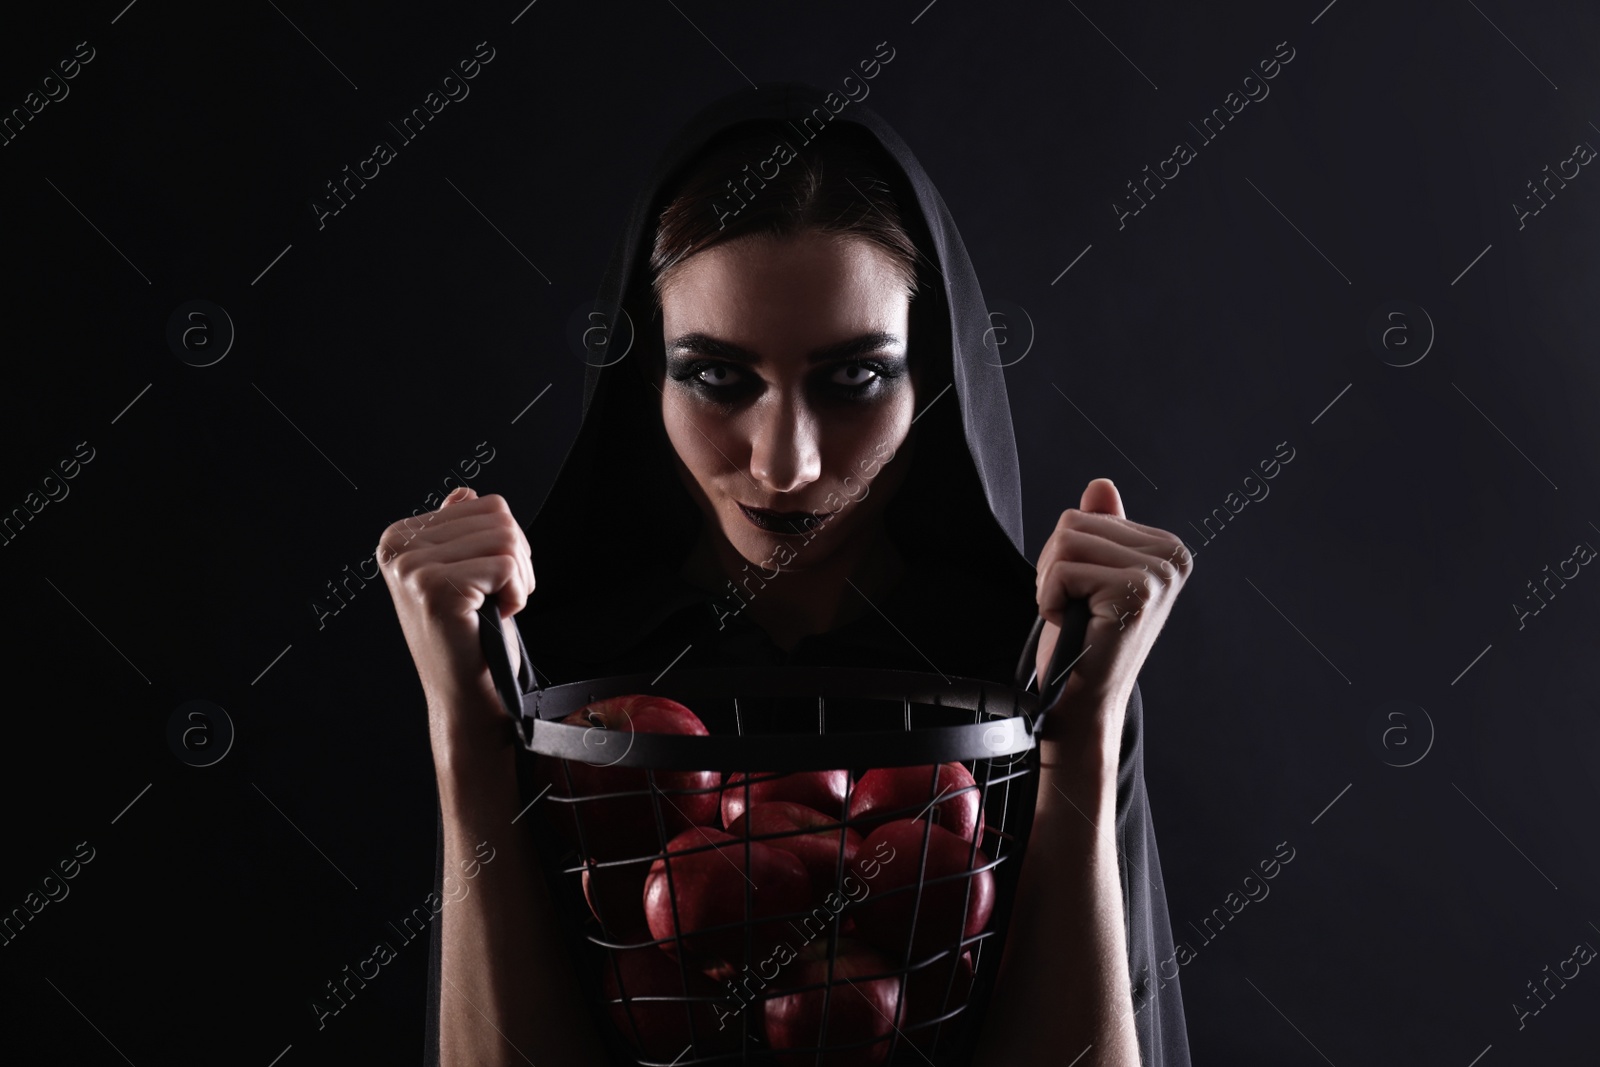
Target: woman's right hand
x=449, y=572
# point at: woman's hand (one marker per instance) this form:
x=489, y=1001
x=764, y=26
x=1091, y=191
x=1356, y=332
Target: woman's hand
x=508, y=992
x=1068, y=904
x=441, y=569
x=1130, y=575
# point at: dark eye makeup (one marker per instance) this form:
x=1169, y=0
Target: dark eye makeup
x=690, y=372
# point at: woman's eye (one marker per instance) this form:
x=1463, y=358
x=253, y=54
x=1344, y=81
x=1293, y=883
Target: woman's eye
x=716, y=369
x=854, y=375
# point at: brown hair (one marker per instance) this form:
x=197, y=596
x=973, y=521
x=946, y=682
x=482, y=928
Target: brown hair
x=840, y=183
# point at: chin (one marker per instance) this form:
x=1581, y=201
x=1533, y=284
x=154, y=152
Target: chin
x=793, y=553
x=769, y=550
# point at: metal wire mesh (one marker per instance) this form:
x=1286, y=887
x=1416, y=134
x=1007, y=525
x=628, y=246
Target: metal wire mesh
x=749, y=955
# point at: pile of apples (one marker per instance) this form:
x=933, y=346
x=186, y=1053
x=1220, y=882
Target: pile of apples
x=778, y=844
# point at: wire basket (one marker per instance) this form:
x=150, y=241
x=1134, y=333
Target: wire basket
x=718, y=920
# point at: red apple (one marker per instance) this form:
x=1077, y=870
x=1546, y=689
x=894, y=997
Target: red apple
x=857, y=1011
x=823, y=790
x=616, y=897
x=709, y=888
x=926, y=999
x=660, y=1029
x=890, y=859
x=907, y=793
x=625, y=826
x=812, y=837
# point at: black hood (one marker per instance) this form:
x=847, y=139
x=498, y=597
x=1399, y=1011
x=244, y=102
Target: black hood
x=962, y=496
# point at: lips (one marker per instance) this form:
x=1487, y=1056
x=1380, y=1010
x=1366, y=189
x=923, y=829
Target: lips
x=780, y=522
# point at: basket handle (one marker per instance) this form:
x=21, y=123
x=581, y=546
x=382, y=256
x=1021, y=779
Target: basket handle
x=1075, y=618
x=1075, y=623
x=490, y=627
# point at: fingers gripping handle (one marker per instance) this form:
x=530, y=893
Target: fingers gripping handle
x=490, y=637
x=1069, y=646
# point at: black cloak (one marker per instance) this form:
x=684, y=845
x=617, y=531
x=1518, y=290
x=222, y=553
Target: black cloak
x=609, y=598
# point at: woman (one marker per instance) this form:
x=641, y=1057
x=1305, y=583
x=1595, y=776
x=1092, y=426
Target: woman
x=808, y=338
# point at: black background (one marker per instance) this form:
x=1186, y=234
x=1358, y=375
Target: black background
x=1179, y=350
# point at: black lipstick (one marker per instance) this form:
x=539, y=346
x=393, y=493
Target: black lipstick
x=789, y=523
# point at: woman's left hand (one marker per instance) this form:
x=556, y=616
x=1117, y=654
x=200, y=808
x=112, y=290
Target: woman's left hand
x=1130, y=575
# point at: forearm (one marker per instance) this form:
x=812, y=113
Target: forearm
x=1063, y=989
x=507, y=987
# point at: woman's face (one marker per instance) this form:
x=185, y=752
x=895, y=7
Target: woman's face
x=788, y=387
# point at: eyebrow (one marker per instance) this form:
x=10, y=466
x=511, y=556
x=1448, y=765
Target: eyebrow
x=705, y=345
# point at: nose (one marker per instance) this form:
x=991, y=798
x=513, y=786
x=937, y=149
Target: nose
x=784, y=452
